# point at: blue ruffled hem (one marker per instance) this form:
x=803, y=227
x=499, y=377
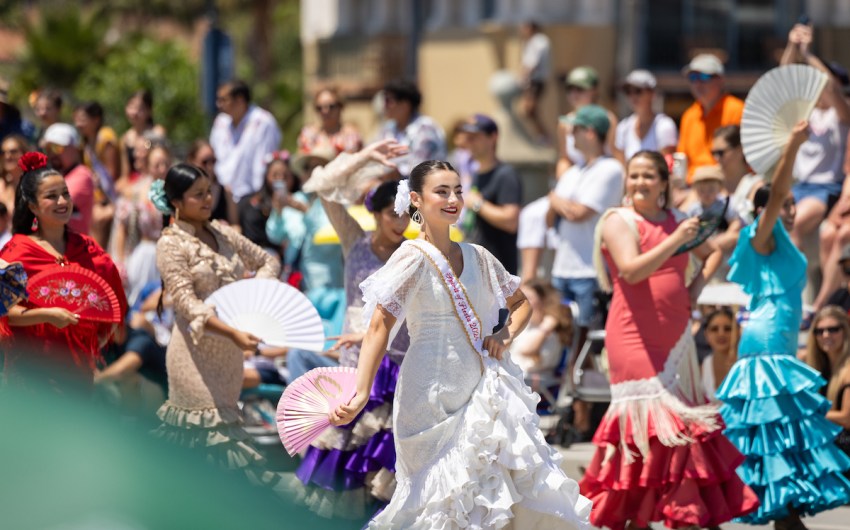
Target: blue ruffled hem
x=776, y=418
x=808, y=497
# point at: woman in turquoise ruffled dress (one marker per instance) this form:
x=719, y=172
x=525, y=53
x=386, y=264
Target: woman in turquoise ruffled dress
x=771, y=405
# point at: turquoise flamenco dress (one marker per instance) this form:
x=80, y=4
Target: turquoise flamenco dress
x=773, y=412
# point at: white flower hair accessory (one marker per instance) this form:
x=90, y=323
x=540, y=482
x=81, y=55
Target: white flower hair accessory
x=402, y=198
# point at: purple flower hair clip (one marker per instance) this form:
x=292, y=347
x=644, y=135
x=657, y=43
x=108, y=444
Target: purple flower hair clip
x=367, y=202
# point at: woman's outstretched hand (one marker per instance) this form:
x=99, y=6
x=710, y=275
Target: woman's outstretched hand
x=245, y=340
x=345, y=414
x=383, y=150
x=497, y=343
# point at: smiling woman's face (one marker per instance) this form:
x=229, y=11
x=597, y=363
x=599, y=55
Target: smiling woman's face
x=53, y=204
x=441, y=199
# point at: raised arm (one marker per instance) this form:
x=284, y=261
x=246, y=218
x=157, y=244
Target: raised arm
x=371, y=354
x=622, y=244
x=780, y=187
x=346, y=226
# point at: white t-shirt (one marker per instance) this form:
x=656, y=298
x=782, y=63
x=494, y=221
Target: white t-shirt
x=598, y=186
x=662, y=133
x=821, y=157
x=535, y=57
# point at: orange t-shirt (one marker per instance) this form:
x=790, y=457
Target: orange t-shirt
x=697, y=130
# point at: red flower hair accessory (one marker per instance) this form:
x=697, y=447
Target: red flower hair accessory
x=32, y=160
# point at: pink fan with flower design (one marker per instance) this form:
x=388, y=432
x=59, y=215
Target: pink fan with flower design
x=78, y=290
x=302, y=413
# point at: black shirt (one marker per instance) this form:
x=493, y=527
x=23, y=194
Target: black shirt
x=253, y=213
x=500, y=186
x=841, y=298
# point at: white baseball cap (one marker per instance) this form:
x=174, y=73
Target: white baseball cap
x=640, y=79
x=704, y=63
x=62, y=134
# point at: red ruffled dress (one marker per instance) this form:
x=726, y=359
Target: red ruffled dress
x=71, y=351
x=660, y=455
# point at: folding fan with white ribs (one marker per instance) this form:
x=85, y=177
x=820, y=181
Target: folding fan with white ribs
x=277, y=313
x=776, y=103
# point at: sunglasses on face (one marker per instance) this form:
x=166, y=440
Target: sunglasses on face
x=55, y=149
x=694, y=77
x=10, y=152
x=715, y=329
x=832, y=330
x=574, y=88
x=327, y=108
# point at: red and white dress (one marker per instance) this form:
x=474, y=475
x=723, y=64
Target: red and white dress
x=660, y=452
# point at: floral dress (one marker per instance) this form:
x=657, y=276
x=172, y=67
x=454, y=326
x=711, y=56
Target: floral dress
x=205, y=369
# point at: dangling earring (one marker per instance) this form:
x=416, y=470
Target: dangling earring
x=34, y=226
x=177, y=214
x=627, y=201
x=417, y=217
x=662, y=200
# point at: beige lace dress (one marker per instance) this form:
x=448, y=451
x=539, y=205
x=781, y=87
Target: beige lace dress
x=205, y=369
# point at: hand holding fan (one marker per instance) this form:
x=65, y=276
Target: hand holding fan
x=277, y=313
x=776, y=103
x=709, y=221
x=78, y=290
x=302, y=412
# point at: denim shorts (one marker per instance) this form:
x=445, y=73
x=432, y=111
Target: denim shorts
x=582, y=291
x=825, y=193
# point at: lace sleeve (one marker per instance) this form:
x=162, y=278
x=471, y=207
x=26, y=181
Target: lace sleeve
x=343, y=179
x=394, y=285
x=174, y=266
x=503, y=283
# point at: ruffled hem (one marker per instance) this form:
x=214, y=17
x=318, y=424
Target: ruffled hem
x=499, y=461
x=217, y=432
x=692, y=482
x=776, y=418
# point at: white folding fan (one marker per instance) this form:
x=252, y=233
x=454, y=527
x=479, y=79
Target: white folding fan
x=779, y=99
x=277, y=313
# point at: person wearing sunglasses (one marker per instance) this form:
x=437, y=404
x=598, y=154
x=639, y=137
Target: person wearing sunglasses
x=828, y=352
x=644, y=129
x=719, y=327
x=713, y=108
x=330, y=130
x=62, y=143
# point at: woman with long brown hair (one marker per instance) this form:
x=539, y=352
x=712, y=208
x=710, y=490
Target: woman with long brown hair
x=828, y=352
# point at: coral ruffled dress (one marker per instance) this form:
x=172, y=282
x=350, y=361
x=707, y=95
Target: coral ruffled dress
x=661, y=455
x=771, y=405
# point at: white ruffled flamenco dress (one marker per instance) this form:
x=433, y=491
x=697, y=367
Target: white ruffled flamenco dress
x=469, y=451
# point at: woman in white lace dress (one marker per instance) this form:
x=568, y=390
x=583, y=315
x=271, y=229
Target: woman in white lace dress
x=469, y=452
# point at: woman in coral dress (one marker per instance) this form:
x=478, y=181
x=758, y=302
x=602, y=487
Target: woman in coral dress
x=661, y=455
x=469, y=453
x=205, y=356
x=771, y=405
x=53, y=339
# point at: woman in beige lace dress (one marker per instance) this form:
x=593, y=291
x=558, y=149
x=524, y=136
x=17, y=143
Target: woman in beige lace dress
x=204, y=358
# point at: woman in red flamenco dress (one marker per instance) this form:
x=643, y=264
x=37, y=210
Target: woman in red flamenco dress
x=660, y=455
x=52, y=339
